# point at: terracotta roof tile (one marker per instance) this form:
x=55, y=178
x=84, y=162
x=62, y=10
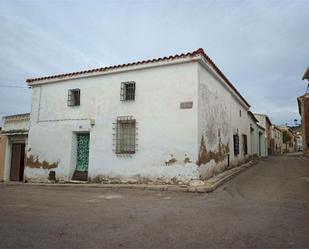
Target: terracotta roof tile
x=199, y=51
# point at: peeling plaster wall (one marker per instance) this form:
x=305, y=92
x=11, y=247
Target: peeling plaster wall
x=218, y=120
x=167, y=140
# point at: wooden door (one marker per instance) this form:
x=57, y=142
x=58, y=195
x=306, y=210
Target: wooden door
x=17, y=162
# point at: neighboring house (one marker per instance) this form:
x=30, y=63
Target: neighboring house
x=297, y=132
x=2, y=154
x=303, y=107
x=265, y=122
x=257, y=137
x=276, y=141
x=12, y=148
x=262, y=145
x=170, y=119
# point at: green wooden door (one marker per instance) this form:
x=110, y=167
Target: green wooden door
x=82, y=157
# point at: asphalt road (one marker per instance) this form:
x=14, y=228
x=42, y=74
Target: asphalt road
x=266, y=206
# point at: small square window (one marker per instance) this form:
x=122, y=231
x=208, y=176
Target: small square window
x=74, y=97
x=127, y=91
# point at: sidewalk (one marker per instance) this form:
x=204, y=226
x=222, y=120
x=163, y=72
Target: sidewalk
x=208, y=186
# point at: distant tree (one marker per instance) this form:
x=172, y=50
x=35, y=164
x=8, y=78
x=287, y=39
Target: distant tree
x=286, y=137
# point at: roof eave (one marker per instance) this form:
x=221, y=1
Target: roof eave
x=209, y=66
x=253, y=117
x=58, y=78
x=306, y=74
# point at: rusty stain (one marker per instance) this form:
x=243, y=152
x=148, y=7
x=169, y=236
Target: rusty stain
x=33, y=162
x=206, y=156
x=171, y=161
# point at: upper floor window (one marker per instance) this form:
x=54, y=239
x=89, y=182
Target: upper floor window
x=127, y=91
x=74, y=97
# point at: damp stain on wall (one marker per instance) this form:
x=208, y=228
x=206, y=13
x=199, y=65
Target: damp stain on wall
x=171, y=161
x=206, y=156
x=33, y=161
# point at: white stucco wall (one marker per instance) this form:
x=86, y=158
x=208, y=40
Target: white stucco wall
x=164, y=130
x=16, y=123
x=218, y=120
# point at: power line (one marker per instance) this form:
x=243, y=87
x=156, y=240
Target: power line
x=13, y=86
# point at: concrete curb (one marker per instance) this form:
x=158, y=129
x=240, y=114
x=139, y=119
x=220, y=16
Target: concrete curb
x=213, y=183
x=176, y=188
x=210, y=185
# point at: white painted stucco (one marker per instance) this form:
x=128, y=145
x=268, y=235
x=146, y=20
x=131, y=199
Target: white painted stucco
x=165, y=131
x=221, y=114
x=163, y=128
x=16, y=123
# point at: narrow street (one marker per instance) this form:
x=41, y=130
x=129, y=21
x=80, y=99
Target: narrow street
x=266, y=206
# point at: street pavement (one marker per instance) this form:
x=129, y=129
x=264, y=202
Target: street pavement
x=266, y=206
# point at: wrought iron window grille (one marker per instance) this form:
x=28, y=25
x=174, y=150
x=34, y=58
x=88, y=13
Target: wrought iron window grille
x=245, y=144
x=127, y=92
x=125, y=136
x=236, y=144
x=73, y=97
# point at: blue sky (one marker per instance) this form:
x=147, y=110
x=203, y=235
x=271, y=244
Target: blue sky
x=261, y=46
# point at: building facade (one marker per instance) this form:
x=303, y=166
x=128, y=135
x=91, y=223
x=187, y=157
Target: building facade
x=276, y=140
x=262, y=145
x=265, y=122
x=12, y=148
x=303, y=107
x=297, y=132
x=2, y=154
x=172, y=119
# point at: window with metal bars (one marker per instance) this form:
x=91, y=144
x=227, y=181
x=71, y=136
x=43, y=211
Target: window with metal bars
x=236, y=144
x=125, y=135
x=127, y=91
x=245, y=144
x=73, y=97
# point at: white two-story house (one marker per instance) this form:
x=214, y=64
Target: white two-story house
x=170, y=119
